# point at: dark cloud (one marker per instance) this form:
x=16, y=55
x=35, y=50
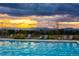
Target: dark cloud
x=20, y=9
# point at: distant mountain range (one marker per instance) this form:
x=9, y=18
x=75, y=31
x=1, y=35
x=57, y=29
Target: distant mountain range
x=45, y=29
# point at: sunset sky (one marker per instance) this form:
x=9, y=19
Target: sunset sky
x=30, y=15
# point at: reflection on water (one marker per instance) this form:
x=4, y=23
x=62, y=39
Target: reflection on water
x=38, y=48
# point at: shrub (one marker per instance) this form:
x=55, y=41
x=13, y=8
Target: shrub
x=19, y=36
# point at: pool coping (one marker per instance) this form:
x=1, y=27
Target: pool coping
x=39, y=40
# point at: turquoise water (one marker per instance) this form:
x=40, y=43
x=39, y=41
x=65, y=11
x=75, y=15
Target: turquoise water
x=18, y=48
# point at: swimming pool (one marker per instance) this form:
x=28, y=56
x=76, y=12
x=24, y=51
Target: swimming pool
x=19, y=48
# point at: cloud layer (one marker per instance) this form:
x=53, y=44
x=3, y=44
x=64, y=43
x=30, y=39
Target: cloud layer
x=59, y=18
x=23, y=9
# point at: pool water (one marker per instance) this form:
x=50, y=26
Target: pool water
x=18, y=48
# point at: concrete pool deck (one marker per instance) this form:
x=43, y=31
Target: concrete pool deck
x=40, y=40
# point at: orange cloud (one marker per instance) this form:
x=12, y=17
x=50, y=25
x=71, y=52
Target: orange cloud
x=7, y=21
x=16, y=22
